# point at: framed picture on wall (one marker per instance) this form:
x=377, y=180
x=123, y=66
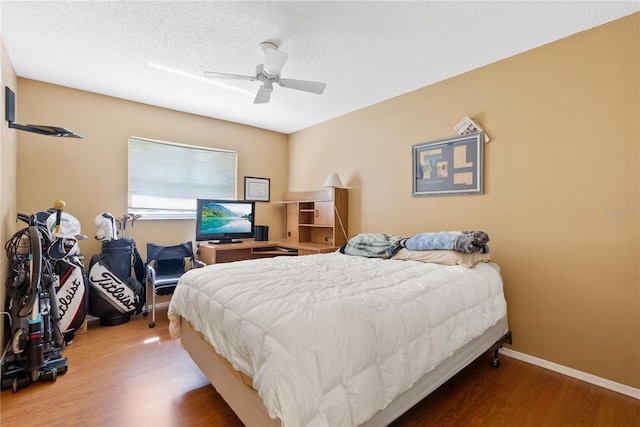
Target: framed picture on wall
x=449, y=166
x=256, y=189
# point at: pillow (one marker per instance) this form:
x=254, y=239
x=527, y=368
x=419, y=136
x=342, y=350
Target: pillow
x=445, y=257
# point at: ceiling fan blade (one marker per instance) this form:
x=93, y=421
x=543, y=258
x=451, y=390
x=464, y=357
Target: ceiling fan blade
x=263, y=96
x=274, y=61
x=215, y=75
x=305, y=85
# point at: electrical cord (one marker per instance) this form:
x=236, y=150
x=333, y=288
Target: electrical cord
x=18, y=280
x=17, y=248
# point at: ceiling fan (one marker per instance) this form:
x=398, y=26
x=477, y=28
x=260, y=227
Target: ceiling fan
x=269, y=73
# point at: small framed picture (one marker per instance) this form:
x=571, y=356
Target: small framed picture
x=256, y=189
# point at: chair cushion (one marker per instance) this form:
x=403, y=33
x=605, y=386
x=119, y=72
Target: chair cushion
x=167, y=279
x=166, y=284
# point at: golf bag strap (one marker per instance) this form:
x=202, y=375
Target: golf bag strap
x=138, y=265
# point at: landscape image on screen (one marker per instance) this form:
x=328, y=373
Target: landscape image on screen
x=222, y=218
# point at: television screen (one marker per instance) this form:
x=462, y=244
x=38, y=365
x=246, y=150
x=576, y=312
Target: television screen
x=224, y=221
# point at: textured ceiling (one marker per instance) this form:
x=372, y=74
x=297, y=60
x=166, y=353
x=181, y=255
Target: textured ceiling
x=368, y=51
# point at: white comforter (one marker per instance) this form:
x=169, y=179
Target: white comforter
x=331, y=339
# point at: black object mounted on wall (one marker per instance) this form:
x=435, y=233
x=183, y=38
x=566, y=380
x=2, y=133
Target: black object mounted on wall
x=10, y=115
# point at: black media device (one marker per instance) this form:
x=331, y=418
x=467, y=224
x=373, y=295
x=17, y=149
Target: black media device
x=225, y=221
x=262, y=233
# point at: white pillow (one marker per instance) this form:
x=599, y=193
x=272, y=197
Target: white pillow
x=444, y=257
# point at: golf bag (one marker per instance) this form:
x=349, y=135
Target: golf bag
x=114, y=295
x=68, y=271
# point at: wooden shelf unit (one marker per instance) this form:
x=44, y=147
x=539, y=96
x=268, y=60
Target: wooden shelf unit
x=318, y=217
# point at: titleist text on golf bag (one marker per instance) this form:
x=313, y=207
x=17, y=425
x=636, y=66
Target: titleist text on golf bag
x=72, y=295
x=114, y=295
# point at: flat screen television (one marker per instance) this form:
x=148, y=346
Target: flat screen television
x=225, y=221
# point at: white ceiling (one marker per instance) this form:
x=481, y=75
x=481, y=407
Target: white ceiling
x=155, y=52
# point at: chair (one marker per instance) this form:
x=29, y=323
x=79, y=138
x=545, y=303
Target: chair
x=164, y=267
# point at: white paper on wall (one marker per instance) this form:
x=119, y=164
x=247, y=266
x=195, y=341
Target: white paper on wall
x=467, y=126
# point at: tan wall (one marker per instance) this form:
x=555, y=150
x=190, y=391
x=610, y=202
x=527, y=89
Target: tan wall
x=90, y=175
x=561, y=187
x=8, y=155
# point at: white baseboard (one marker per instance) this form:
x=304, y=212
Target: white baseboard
x=573, y=373
x=160, y=305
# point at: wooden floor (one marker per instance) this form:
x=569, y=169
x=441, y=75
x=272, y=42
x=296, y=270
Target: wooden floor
x=116, y=379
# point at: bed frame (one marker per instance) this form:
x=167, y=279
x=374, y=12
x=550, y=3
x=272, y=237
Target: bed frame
x=235, y=387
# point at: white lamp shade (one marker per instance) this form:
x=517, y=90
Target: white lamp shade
x=333, y=180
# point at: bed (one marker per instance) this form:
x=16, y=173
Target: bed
x=334, y=339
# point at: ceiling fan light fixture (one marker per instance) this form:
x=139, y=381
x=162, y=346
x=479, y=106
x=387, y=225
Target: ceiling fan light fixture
x=269, y=73
x=267, y=45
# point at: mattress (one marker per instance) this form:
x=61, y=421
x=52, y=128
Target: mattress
x=331, y=339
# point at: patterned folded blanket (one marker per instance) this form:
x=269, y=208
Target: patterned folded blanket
x=372, y=245
x=465, y=241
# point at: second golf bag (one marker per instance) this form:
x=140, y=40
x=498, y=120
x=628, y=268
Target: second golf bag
x=68, y=271
x=114, y=295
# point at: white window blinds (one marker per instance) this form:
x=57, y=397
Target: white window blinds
x=165, y=179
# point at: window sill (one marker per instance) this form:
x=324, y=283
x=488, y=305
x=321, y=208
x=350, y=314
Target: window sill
x=146, y=215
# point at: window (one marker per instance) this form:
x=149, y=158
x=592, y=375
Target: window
x=165, y=179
